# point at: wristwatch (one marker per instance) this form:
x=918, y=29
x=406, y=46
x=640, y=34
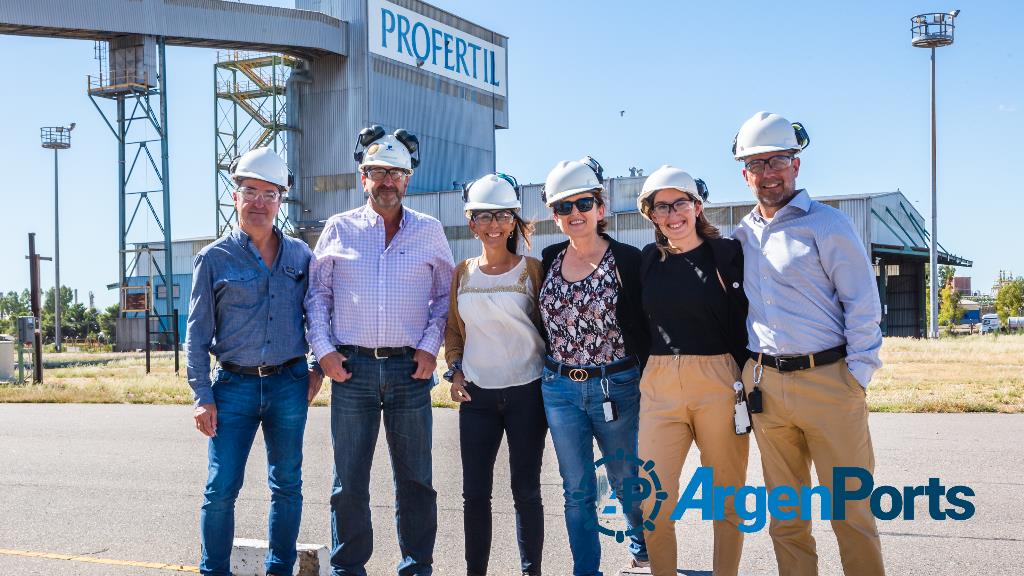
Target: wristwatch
x=452, y=368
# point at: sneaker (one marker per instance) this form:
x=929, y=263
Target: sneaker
x=634, y=566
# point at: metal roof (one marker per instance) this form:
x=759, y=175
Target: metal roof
x=203, y=23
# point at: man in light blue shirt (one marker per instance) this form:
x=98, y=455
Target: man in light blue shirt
x=814, y=336
x=246, y=309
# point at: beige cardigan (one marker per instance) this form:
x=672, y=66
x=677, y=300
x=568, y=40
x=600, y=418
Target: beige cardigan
x=455, y=331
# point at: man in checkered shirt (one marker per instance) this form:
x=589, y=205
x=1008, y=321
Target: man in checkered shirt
x=376, y=311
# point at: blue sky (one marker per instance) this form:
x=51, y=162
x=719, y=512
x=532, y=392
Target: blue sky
x=687, y=75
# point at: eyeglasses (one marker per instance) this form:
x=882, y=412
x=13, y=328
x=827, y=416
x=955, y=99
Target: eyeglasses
x=499, y=216
x=663, y=209
x=564, y=208
x=780, y=162
x=251, y=194
x=378, y=174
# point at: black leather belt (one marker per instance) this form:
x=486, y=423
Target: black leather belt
x=792, y=363
x=577, y=374
x=261, y=371
x=378, y=353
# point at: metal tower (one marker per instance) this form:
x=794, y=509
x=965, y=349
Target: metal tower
x=133, y=72
x=251, y=112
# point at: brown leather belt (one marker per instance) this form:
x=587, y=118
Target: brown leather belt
x=792, y=363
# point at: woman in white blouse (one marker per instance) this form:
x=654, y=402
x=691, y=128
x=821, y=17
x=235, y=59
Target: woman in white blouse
x=495, y=355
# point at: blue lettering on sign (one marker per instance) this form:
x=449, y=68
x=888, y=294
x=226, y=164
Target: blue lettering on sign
x=448, y=50
x=412, y=37
x=434, y=33
x=494, y=82
x=426, y=41
x=403, y=34
x=486, y=75
x=475, y=49
x=460, y=55
x=385, y=14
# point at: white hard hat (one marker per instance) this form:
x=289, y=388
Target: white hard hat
x=767, y=132
x=261, y=164
x=388, y=152
x=492, y=192
x=571, y=177
x=669, y=177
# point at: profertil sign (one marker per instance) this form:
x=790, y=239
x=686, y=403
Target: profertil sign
x=411, y=38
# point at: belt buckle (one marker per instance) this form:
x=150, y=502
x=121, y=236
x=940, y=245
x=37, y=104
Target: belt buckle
x=377, y=355
x=578, y=375
x=781, y=361
x=269, y=371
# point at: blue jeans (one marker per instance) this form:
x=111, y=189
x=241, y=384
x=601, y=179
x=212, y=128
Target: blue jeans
x=244, y=403
x=576, y=418
x=356, y=405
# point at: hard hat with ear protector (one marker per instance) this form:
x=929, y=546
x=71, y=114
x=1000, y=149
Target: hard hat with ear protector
x=261, y=164
x=376, y=148
x=571, y=177
x=492, y=192
x=671, y=177
x=767, y=132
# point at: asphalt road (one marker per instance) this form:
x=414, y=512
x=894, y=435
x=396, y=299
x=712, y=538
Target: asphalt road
x=125, y=482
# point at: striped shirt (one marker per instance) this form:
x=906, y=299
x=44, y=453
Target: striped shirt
x=810, y=284
x=365, y=294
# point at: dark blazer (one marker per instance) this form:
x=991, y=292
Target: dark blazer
x=628, y=310
x=728, y=257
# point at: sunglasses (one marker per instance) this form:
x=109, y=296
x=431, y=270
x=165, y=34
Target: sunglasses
x=564, y=208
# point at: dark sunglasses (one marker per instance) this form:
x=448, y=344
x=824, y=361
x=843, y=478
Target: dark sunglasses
x=564, y=208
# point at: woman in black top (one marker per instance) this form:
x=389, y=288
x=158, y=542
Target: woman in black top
x=692, y=294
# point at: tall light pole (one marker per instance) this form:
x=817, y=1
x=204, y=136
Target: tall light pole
x=56, y=138
x=933, y=30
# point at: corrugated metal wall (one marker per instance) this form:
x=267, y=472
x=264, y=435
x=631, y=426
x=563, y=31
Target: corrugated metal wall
x=454, y=123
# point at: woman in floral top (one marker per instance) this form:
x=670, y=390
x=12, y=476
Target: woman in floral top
x=597, y=344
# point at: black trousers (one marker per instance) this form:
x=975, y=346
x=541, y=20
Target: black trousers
x=518, y=413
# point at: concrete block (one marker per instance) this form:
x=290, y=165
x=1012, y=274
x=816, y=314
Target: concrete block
x=248, y=555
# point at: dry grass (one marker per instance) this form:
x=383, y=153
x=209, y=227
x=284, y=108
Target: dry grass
x=963, y=374
x=954, y=374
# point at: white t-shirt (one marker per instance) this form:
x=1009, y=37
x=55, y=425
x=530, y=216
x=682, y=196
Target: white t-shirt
x=503, y=347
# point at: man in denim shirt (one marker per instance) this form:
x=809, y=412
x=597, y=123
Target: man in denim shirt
x=246, y=309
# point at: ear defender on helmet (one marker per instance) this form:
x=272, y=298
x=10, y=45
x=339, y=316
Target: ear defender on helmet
x=366, y=137
x=465, y=191
x=411, y=143
x=596, y=167
x=511, y=180
x=234, y=165
x=801, y=135
x=702, y=190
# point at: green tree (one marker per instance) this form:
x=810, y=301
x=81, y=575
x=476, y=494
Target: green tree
x=1010, y=301
x=946, y=275
x=49, y=324
x=950, y=311
x=13, y=305
x=108, y=322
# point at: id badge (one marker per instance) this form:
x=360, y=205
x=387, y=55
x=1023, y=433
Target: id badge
x=611, y=412
x=740, y=415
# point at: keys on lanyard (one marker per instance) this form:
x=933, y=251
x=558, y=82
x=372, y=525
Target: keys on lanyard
x=741, y=417
x=754, y=398
x=611, y=412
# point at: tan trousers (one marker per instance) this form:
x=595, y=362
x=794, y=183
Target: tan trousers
x=818, y=415
x=686, y=399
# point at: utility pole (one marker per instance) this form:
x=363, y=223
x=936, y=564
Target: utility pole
x=37, y=341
